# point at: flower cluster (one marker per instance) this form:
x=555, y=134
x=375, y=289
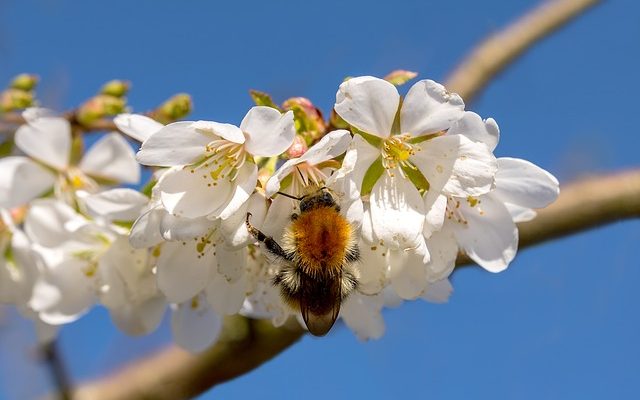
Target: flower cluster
x=414, y=175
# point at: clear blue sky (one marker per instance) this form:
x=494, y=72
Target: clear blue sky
x=561, y=322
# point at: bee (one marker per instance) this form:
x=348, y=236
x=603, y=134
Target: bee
x=318, y=259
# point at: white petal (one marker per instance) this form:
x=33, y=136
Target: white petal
x=444, y=250
x=273, y=184
x=182, y=271
x=477, y=130
x=330, y=146
x=362, y=314
x=234, y=228
x=119, y=204
x=370, y=104
x=429, y=108
x=373, y=268
x=194, y=194
x=438, y=292
x=139, y=319
x=195, y=325
x=397, y=212
x=64, y=294
x=245, y=185
x=139, y=127
x=268, y=132
x=490, y=237
x=174, y=228
x=365, y=155
x=226, y=131
x=519, y=213
x=231, y=263
x=175, y=144
x=436, y=206
x=278, y=216
x=408, y=274
x=224, y=297
x=47, y=140
x=525, y=184
x=435, y=160
x=474, y=170
x=22, y=180
x=112, y=158
x=145, y=232
x=46, y=222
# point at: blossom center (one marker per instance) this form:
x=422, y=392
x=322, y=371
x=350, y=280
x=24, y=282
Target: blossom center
x=224, y=158
x=396, y=151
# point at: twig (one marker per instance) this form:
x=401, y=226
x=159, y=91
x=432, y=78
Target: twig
x=246, y=344
x=51, y=357
x=498, y=51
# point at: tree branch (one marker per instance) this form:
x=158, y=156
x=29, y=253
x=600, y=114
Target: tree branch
x=246, y=344
x=499, y=50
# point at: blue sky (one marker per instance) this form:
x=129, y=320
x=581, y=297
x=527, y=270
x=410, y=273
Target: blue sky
x=561, y=322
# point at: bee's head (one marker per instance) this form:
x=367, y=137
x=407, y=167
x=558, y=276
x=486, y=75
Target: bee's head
x=319, y=198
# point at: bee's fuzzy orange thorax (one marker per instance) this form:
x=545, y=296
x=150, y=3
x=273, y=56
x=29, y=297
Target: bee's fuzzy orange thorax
x=321, y=238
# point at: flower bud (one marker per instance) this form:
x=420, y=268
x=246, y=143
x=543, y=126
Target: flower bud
x=337, y=122
x=115, y=88
x=175, y=108
x=26, y=82
x=99, y=107
x=400, y=77
x=263, y=99
x=308, y=118
x=14, y=99
x=298, y=147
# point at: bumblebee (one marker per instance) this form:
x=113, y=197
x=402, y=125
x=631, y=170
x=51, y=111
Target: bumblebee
x=318, y=259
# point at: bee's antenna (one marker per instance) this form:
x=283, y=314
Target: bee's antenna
x=301, y=176
x=290, y=196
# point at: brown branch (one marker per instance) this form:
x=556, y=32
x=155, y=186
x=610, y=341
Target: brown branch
x=499, y=50
x=16, y=119
x=246, y=344
x=51, y=357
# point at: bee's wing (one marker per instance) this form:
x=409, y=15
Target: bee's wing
x=320, y=312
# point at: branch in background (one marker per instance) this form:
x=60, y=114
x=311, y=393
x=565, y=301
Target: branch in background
x=498, y=51
x=247, y=344
x=51, y=358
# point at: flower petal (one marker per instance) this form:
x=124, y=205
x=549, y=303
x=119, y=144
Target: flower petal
x=174, y=228
x=245, y=185
x=429, y=108
x=525, y=184
x=436, y=206
x=490, y=237
x=444, y=250
x=22, y=180
x=175, y=144
x=47, y=220
x=234, y=228
x=190, y=193
x=195, y=325
x=373, y=268
x=330, y=146
x=139, y=319
x=408, y=274
x=362, y=314
x=226, y=131
x=438, y=292
x=397, y=212
x=231, y=263
x=370, y=104
x=474, y=170
x=46, y=139
x=139, y=127
x=145, y=232
x=366, y=155
x=477, y=130
x=182, y=271
x=120, y=204
x=436, y=159
x=268, y=132
x=520, y=214
x=112, y=158
x=224, y=297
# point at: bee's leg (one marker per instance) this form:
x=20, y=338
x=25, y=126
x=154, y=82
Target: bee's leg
x=271, y=245
x=294, y=216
